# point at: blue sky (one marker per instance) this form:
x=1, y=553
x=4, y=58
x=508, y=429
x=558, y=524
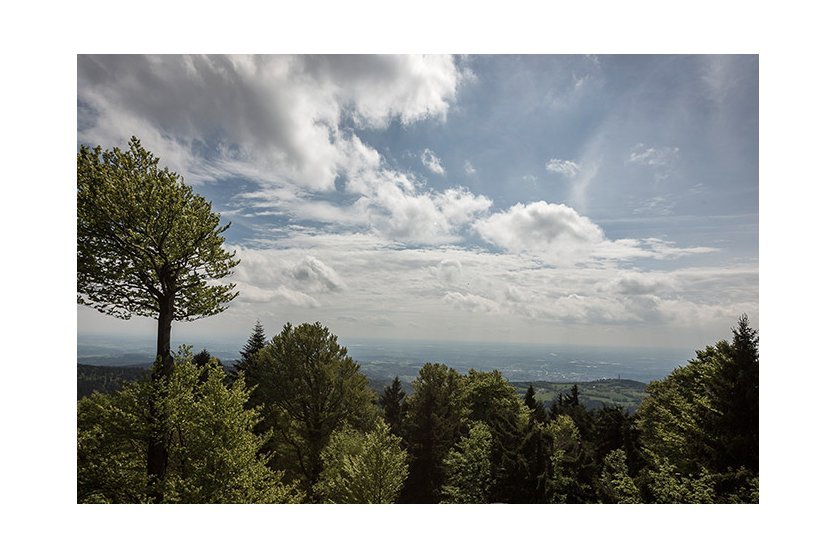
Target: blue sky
x=607, y=200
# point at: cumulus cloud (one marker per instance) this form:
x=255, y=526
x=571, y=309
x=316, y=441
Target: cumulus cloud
x=269, y=275
x=318, y=275
x=469, y=168
x=269, y=118
x=448, y=271
x=395, y=209
x=431, y=161
x=567, y=168
x=557, y=233
x=540, y=227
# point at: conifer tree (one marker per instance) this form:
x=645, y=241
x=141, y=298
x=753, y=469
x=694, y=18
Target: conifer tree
x=432, y=425
x=699, y=425
x=615, y=483
x=537, y=408
x=257, y=340
x=391, y=402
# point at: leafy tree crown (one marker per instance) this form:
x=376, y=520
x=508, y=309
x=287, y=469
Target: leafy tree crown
x=144, y=238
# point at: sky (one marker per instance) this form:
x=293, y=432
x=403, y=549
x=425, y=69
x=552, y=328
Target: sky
x=592, y=200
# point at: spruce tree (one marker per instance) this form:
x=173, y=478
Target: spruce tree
x=536, y=406
x=257, y=341
x=432, y=425
x=391, y=402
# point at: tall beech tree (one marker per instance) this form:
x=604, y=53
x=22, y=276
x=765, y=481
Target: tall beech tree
x=148, y=245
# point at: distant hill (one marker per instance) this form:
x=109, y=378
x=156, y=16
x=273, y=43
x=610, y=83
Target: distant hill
x=105, y=379
x=593, y=394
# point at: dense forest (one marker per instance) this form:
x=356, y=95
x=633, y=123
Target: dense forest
x=294, y=420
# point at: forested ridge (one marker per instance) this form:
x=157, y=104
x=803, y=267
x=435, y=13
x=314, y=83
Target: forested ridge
x=295, y=421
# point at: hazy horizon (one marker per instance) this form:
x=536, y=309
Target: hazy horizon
x=387, y=358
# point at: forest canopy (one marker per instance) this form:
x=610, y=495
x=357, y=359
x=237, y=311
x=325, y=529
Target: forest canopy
x=294, y=420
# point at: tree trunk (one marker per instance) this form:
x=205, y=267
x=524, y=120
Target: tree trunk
x=162, y=370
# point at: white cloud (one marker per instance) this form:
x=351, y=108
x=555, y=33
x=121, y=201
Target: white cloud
x=318, y=275
x=567, y=168
x=557, y=233
x=469, y=168
x=635, y=283
x=448, y=271
x=459, y=205
x=472, y=302
x=540, y=228
x=651, y=248
x=296, y=298
x=280, y=115
x=431, y=161
x=250, y=294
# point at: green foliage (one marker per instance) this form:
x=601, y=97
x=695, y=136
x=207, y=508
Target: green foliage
x=144, y=237
x=616, y=485
x=214, y=454
x=112, y=439
x=148, y=245
x=565, y=458
x=432, y=425
x=490, y=399
x=699, y=426
x=393, y=406
x=362, y=467
x=537, y=408
x=667, y=485
x=469, y=477
x=257, y=340
x=309, y=388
